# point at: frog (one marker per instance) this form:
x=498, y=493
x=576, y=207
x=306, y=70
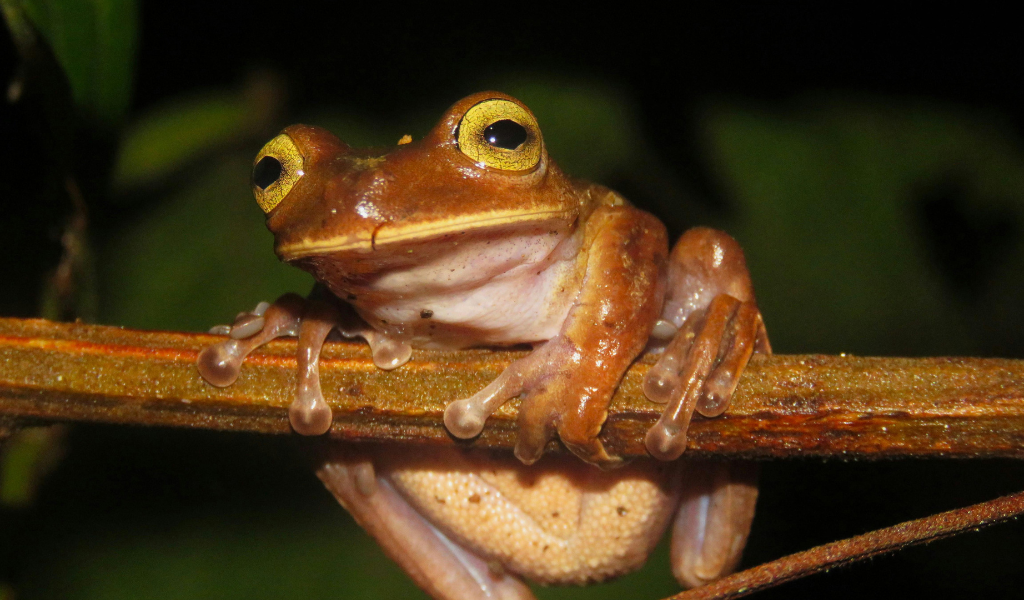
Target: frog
x=472, y=236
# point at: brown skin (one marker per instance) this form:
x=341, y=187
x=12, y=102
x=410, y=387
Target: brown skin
x=719, y=331
x=358, y=216
x=466, y=238
x=609, y=326
x=419, y=185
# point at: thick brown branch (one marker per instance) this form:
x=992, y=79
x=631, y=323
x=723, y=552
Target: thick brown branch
x=785, y=405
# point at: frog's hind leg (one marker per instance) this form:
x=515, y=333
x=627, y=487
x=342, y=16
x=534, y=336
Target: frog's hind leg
x=713, y=521
x=439, y=566
x=714, y=324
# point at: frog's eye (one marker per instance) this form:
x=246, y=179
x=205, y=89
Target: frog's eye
x=500, y=134
x=277, y=168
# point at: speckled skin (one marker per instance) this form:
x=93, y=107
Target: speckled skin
x=553, y=523
x=433, y=249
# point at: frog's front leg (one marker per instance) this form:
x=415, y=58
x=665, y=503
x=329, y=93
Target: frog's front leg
x=710, y=305
x=439, y=566
x=715, y=326
x=567, y=382
x=311, y=320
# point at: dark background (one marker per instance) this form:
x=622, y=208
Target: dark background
x=161, y=513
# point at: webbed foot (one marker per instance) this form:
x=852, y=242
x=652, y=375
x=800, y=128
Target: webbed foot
x=710, y=300
x=556, y=399
x=699, y=370
x=311, y=320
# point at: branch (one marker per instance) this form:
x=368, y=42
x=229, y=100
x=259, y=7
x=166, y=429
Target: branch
x=785, y=406
x=861, y=547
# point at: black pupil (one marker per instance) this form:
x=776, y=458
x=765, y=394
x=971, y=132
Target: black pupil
x=266, y=172
x=505, y=134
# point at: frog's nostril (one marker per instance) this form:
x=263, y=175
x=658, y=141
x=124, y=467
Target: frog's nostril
x=266, y=172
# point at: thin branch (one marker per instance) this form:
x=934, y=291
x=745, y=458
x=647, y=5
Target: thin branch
x=814, y=405
x=857, y=548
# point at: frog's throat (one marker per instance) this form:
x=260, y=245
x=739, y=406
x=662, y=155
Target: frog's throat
x=391, y=234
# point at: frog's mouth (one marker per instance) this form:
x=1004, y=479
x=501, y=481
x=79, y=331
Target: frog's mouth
x=392, y=237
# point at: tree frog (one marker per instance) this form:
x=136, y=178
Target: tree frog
x=472, y=236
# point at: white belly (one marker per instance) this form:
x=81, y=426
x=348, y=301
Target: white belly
x=482, y=292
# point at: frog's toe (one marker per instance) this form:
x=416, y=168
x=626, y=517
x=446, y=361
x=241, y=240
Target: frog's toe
x=740, y=338
x=536, y=427
x=530, y=444
x=308, y=413
x=700, y=369
x=592, y=451
x=221, y=363
x=663, y=381
x=465, y=418
x=554, y=401
x=579, y=431
x=695, y=352
x=388, y=353
x=532, y=440
x=547, y=412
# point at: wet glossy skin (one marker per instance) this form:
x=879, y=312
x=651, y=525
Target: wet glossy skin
x=472, y=236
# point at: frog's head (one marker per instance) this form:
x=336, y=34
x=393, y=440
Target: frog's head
x=482, y=171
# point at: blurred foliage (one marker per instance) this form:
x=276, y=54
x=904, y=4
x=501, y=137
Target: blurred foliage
x=26, y=457
x=182, y=134
x=163, y=142
x=74, y=85
x=872, y=224
x=94, y=42
x=265, y=556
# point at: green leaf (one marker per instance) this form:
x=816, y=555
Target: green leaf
x=166, y=139
x=94, y=43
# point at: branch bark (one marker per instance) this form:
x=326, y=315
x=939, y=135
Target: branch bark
x=785, y=406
